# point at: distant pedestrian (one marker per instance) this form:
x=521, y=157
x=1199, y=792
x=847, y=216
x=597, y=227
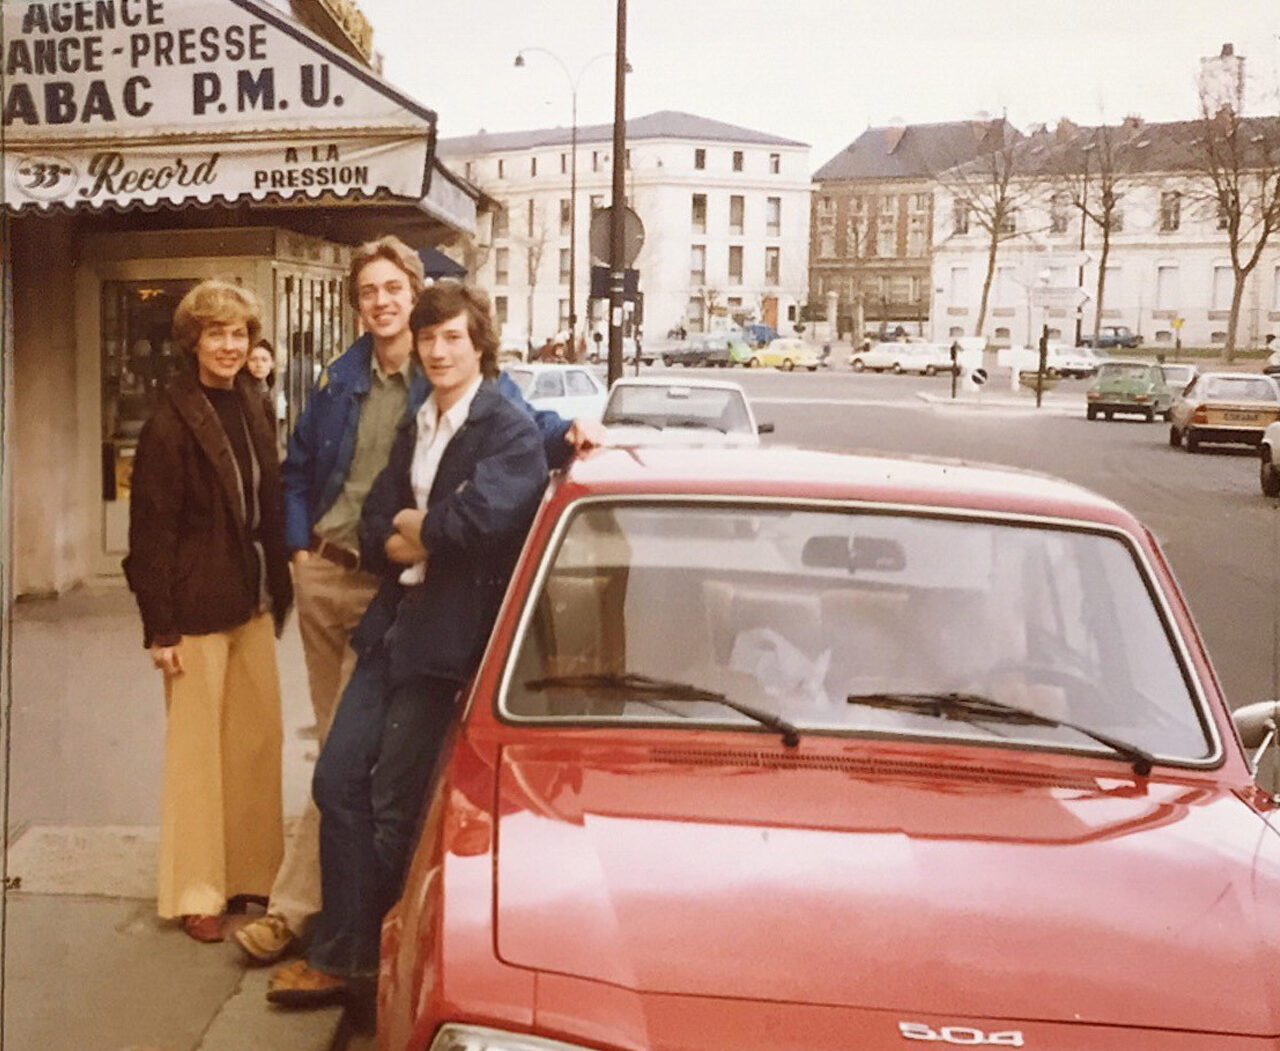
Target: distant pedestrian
x=208, y=566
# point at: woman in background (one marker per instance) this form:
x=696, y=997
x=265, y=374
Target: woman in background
x=208, y=566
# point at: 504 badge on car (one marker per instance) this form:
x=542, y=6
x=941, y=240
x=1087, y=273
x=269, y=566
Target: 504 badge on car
x=961, y=1035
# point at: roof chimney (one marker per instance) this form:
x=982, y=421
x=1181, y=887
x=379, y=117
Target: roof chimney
x=1221, y=81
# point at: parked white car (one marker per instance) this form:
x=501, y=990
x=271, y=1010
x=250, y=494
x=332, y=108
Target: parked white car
x=903, y=356
x=685, y=412
x=571, y=390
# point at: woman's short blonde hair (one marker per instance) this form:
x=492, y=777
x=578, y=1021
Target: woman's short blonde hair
x=215, y=302
x=394, y=250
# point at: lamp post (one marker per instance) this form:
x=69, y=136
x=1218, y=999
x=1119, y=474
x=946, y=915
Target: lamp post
x=573, y=177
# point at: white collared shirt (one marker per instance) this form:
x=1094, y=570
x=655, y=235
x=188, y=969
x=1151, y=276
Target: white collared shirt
x=435, y=431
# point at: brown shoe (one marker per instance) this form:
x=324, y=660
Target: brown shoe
x=203, y=928
x=297, y=985
x=265, y=939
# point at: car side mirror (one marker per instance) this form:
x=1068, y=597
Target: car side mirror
x=764, y=428
x=1257, y=725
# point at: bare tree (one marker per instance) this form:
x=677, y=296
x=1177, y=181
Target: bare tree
x=1236, y=162
x=712, y=305
x=1089, y=176
x=989, y=192
x=534, y=242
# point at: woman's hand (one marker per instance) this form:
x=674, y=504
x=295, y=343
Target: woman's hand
x=167, y=659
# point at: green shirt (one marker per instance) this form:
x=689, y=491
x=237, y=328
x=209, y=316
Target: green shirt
x=383, y=408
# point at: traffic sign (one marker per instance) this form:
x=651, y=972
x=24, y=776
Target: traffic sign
x=979, y=376
x=1068, y=296
x=600, y=235
x=1177, y=322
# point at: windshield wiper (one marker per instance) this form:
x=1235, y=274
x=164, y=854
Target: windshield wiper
x=705, y=425
x=972, y=706
x=631, y=421
x=647, y=687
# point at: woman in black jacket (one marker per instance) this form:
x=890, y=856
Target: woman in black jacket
x=208, y=566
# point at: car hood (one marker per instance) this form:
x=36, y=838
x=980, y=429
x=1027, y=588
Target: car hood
x=890, y=885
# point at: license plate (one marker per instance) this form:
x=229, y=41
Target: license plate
x=1241, y=417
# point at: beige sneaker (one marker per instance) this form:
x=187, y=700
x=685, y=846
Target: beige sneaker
x=265, y=939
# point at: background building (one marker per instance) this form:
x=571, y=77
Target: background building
x=873, y=221
x=725, y=212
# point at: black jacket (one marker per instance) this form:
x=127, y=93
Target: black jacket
x=191, y=561
x=485, y=493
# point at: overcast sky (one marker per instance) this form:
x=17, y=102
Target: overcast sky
x=821, y=70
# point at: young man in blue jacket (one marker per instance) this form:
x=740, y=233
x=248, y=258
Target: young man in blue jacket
x=340, y=444
x=444, y=523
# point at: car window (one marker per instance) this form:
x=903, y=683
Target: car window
x=1115, y=370
x=794, y=610
x=722, y=408
x=548, y=385
x=1240, y=388
x=577, y=381
x=523, y=379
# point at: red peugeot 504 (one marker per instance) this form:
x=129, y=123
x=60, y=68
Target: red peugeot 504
x=776, y=749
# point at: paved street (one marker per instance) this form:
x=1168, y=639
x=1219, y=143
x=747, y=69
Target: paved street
x=87, y=725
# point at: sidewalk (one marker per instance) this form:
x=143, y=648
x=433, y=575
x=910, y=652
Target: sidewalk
x=1006, y=401
x=87, y=964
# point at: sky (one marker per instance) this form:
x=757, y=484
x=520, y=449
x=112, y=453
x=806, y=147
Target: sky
x=821, y=71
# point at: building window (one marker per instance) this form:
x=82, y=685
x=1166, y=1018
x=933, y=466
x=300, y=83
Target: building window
x=502, y=168
x=501, y=262
x=955, y=331
x=699, y=213
x=467, y=169
x=1117, y=220
x=700, y=159
x=772, y=216
x=1060, y=213
x=1008, y=223
x=735, y=264
x=917, y=237
x=1002, y=335
x=1275, y=289
x=1222, y=287
x=626, y=160
x=564, y=319
x=564, y=164
x=1170, y=211
x=698, y=265
x=566, y=214
x=737, y=160
x=917, y=288
x=1223, y=218
x=920, y=202
x=1217, y=337
x=595, y=160
x=530, y=218
x=959, y=285
x=772, y=266
x=500, y=310
x=1164, y=335
x=501, y=226
x=775, y=164
x=737, y=210
x=960, y=217
x=1004, y=290
x=886, y=206
x=564, y=266
x=1167, y=287
x=533, y=166
x=531, y=266
x=695, y=312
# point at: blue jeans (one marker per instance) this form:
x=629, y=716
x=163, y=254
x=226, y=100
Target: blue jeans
x=369, y=785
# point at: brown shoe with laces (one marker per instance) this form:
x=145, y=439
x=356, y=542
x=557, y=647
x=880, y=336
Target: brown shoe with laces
x=297, y=985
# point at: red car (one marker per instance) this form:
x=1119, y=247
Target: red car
x=776, y=749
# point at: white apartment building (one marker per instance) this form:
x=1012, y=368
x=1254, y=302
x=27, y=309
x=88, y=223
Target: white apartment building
x=725, y=212
x=1169, y=275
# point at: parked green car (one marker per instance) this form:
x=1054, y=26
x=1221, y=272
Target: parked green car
x=740, y=351
x=1129, y=386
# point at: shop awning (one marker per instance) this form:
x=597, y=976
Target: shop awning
x=436, y=264
x=127, y=104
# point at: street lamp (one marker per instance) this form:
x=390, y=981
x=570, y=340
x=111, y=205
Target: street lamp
x=573, y=175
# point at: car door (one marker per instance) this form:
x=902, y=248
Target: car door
x=584, y=395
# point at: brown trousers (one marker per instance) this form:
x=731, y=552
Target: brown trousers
x=331, y=600
x=221, y=822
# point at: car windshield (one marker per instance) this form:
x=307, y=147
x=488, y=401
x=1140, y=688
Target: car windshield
x=1240, y=388
x=795, y=611
x=1124, y=371
x=1177, y=375
x=722, y=409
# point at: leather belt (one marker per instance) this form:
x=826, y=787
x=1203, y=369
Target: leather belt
x=335, y=553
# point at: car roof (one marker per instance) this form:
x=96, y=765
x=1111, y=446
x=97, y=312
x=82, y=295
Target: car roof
x=654, y=381
x=1132, y=361
x=780, y=472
